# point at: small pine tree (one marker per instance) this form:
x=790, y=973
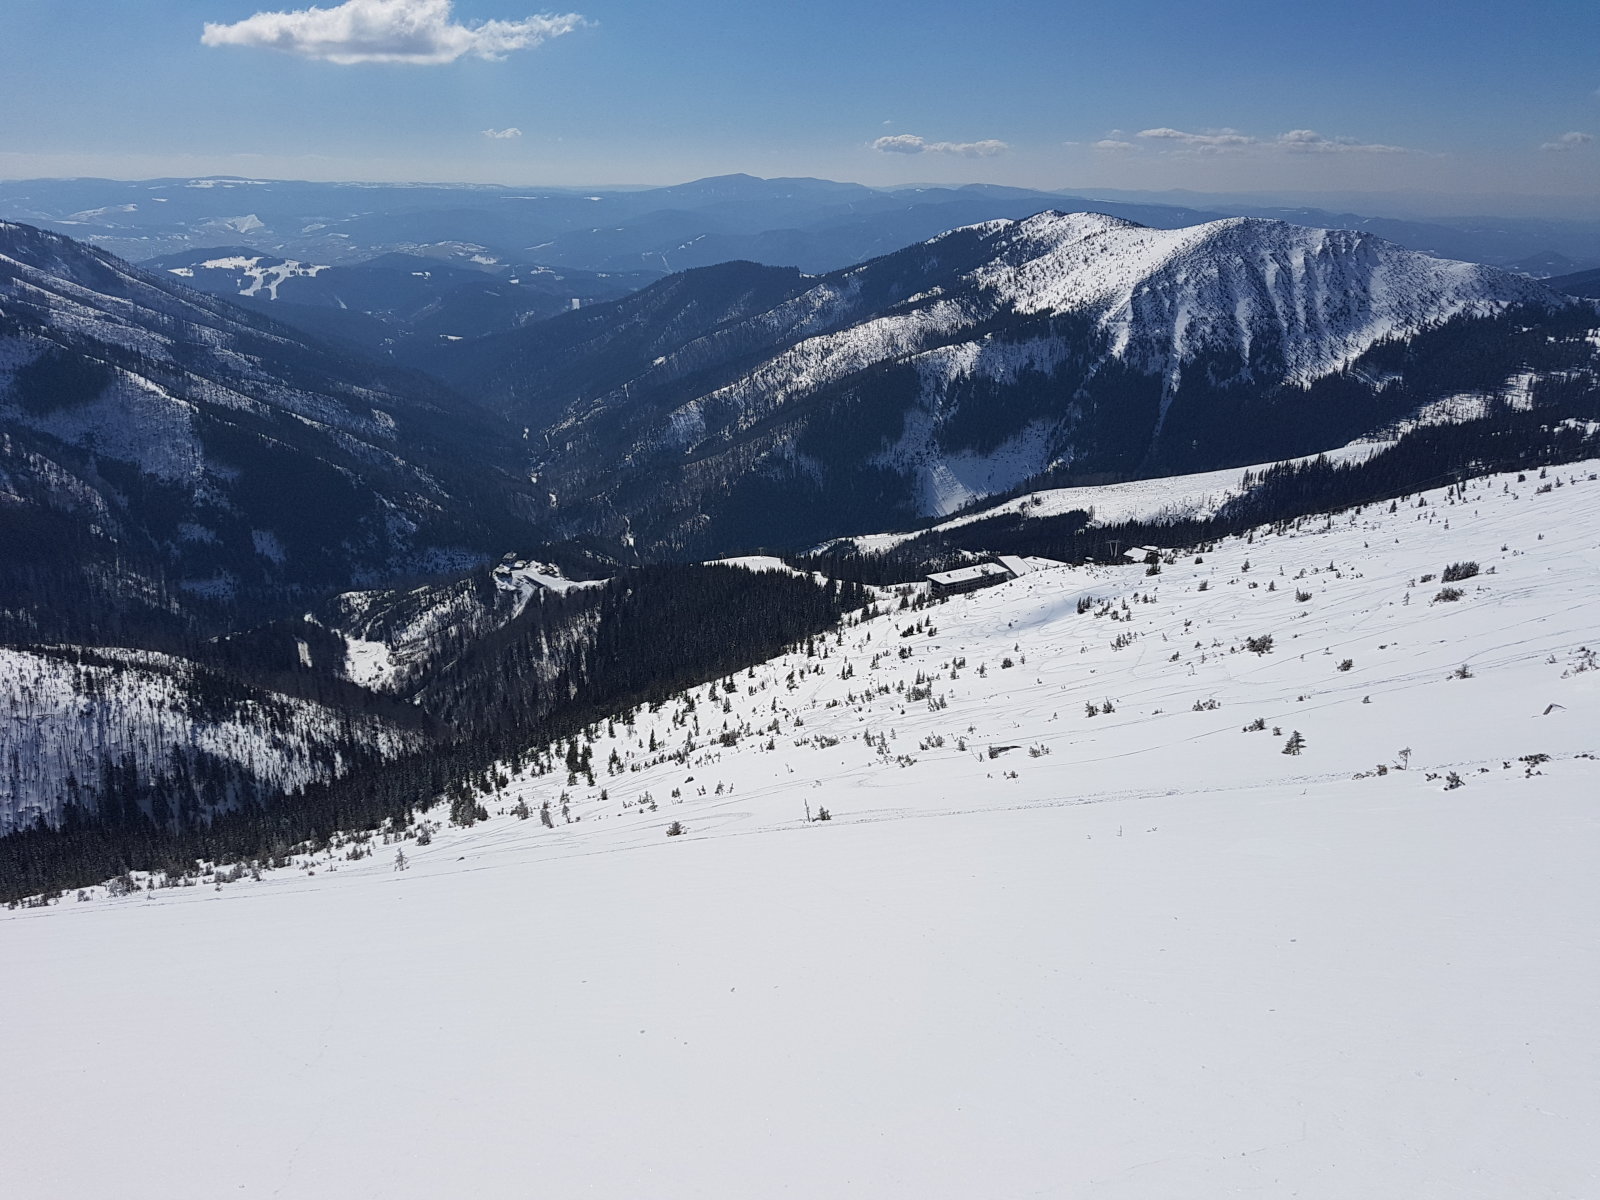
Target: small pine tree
x=1295, y=744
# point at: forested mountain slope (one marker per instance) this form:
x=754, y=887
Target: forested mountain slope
x=164, y=453
x=388, y=302
x=1077, y=345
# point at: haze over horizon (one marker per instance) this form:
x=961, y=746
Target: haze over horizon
x=1468, y=109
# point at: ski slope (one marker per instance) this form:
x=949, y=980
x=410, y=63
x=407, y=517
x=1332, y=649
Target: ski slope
x=1138, y=954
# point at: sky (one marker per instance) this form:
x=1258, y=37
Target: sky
x=1452, y=100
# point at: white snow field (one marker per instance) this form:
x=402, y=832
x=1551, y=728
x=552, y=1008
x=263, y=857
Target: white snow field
x=1144, y=954
x=1174, y=498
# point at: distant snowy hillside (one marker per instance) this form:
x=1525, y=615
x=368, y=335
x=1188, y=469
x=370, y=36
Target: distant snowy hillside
x=814, y=224
x=393, y=299
x=162, y=449
x=97, y=728
x=1074, y=344
x=1265, y=869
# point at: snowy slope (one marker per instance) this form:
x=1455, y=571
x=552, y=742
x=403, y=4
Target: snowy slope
x=1318, y=298
x=1173, y=498
x=1323, y=296
x=1140, y=953
x=395, y=640
x=971, y=363
x=70, y=714
x=221, y=453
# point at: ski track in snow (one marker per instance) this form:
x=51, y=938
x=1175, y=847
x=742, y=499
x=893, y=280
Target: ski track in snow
x=1164, y=959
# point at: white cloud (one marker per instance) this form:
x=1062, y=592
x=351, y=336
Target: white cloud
x=910, y=143
x=900, y=143
x=987, y=148
x=1569, y=141
x=1214, y=139
x=396, y=31
x=1309, y=141
x=501, y=134
x=1114, y=146
x=1231, y=141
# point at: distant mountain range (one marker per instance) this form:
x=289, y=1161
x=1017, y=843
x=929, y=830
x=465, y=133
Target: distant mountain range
x=814, y=224
x=246, y=533
x=394, y=298
x=1579, y=283
x=748, y=405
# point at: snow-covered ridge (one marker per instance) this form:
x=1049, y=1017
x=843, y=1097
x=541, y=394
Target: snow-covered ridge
x=1314, y=298
x=1317, y=297
x=1321, y=296
x=1077, y=315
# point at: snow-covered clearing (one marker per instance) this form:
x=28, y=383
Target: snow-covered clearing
x=1172, y=498
x=254, y=277
x=529, y=578
x=1142, y=953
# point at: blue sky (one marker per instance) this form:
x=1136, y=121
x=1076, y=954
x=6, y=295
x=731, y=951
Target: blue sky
x=1483, y=98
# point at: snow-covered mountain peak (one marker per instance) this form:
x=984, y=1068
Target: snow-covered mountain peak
x=1322, y=296
x=978, y=360
x=1057, y=228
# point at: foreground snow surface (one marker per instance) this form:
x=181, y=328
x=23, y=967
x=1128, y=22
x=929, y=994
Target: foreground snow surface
x=1156, y=958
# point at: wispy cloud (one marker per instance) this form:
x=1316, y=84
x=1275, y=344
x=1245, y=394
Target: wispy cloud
x=501, y=134
x=421, y=32
x=1214, y=139
x=910, y=143
x=1231, y=141
x=1568, y=141
x=1309, y=141
x=1114, y=146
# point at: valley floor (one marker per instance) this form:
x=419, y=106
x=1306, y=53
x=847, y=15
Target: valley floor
x=1142, y=953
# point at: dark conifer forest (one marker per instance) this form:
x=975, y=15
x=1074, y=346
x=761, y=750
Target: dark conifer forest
x=566, y=663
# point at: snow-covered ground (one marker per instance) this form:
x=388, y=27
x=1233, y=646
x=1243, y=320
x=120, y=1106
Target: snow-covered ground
x=254, y=278
x=527, y=579
x=1170, y=498
x=1035, y=952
